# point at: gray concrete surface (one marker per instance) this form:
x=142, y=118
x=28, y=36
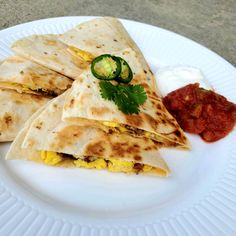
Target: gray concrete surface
x=209, y=22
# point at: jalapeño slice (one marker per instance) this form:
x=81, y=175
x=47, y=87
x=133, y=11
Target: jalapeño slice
x=106, y=67
x=126, y=74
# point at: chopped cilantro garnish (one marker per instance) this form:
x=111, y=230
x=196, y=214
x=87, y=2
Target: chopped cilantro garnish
x=128, y=98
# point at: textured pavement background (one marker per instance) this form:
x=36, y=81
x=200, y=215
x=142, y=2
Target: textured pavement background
x=209, y=22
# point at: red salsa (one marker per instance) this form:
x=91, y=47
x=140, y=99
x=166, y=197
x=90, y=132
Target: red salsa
x=201, y=111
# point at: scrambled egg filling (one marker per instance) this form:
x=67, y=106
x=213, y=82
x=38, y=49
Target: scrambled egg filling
x=114, y=165
x=84, y=55
x=122, y=129
x=24, y=88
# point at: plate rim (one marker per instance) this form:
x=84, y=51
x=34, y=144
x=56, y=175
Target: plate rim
x=165, y=222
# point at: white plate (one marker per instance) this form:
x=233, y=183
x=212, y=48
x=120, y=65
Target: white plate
x=198, y=199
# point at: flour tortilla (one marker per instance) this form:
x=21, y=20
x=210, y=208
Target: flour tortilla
x=26, y=76
x=48, y=132
x=85, y=105
x=48, y=51
x=15, y=110
x=105, y=35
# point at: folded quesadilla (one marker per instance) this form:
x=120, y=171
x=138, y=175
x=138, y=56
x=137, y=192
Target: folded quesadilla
x=85, y=105
x=15, y=109
x=100, y=36
x=25, y=76
x=48, y=51
x=51, y=141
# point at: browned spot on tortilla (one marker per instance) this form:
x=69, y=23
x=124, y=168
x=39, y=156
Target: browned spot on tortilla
x=98, y=46
x=39, y=125
x=99, y=110
x=45, y=53
x=134, y=120
x=115, y=40
x=145, y=71
x=150, y=120
x=72, y=101
x=118, y=149
x=30, y=143
x=137, y=158
x=95, y=149
x=148, y=148
x=133, y=150
x=67, y=136
x=7, y=119
x=50, y=42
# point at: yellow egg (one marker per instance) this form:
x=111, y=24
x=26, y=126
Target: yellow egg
x=110, y=124
x=50, y=158
x=97, y=164
x=84, y=55
x=117, y=165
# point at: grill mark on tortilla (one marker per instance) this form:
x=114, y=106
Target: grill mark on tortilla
x=96, y=149
x=71, y=103
x=134, y=120
x=50, y=42
x=67, y=136
x=150, y=120
x=99, y=111
x=137, y=158
x=8, y=119
x=39, y=125
x=118, y=149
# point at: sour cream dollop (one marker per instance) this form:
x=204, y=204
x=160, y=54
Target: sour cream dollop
x=172, y=78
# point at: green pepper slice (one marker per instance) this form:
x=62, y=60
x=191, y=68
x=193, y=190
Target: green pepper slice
x=106, y=67
x=126, y=74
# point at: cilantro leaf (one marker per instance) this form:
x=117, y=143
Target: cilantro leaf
x=107, y=90
x=126, y=97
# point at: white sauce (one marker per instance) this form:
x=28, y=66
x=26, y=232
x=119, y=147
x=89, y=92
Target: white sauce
x=172, y=78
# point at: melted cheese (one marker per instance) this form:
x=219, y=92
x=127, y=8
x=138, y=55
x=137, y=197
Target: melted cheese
x=113, y=164
x=84, y=55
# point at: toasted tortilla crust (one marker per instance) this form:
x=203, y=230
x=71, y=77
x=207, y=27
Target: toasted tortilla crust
x=48, y=132
x=26, y=76
x=85, y=104
x=15, y=109
x=111, y=37
x=48, y=51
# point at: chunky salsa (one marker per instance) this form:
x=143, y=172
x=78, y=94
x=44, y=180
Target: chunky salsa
x=201, y=111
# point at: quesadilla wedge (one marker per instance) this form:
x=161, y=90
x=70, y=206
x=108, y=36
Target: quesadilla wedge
x=25, y=76
x=51, y=141
x=48, y=51
x=86, y=105
x=15, y=110
x=100, y=36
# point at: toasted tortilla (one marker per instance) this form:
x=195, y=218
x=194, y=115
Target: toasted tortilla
x=48, y=51
x=48, y=132
x=15, y=110
x=85, y=105
x=25, y=76
x=100, y=36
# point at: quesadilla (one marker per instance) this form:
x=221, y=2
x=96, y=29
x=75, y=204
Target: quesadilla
x=100, y=36
x=51, y=141
x=25, y=76
x=48, y=51
x=85, y=105
x=15, y=109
